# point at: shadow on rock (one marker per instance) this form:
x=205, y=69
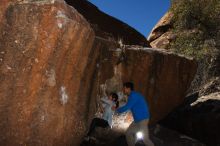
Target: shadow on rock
x=198, y=119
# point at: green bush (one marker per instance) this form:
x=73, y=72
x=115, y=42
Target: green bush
x=195, y=21
x=189, y=45
x=203, y=14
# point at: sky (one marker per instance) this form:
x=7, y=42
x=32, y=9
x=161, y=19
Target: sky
x=142, y=15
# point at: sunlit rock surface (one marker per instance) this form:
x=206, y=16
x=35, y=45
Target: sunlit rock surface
x=160, y=36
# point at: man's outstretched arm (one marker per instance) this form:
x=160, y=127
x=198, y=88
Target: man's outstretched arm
x=130, y=103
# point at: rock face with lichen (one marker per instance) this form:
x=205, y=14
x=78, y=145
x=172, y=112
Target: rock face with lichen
x=43, y=59
x=155, y=74
x=161, y=76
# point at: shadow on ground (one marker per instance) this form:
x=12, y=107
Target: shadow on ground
x=159, y=135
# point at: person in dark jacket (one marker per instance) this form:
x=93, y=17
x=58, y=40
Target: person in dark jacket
x=139, y=108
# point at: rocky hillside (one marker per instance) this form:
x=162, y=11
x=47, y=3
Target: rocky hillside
x=192, y=28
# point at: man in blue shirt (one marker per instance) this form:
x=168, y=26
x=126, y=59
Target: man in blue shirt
x=140, y=112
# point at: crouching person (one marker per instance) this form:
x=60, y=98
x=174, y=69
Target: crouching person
x=110, y=105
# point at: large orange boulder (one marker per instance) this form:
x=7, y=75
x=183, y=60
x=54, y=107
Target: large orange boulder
x=161, y=76
x=44, y=50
